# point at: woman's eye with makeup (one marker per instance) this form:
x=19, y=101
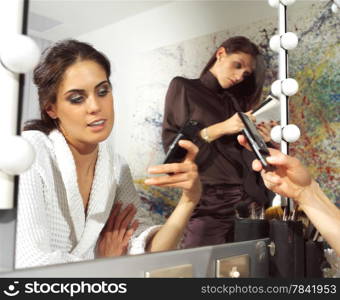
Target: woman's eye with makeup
x=76, y=99
x=103, y=91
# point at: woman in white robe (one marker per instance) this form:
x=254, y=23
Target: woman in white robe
x=77, y=201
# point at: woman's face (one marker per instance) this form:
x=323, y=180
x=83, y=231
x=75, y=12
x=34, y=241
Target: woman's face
x=84, y=106
x=231, y=69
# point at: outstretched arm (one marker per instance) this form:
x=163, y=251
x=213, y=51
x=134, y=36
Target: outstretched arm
x=185, y=176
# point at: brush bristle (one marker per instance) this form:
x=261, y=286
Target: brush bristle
x=274, y=212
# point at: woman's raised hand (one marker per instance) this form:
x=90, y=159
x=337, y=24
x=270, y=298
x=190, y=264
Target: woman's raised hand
x=234, y=124
x=183, y=175
x=115, y=236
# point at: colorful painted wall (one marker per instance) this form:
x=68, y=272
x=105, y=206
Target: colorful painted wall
x=316, y=108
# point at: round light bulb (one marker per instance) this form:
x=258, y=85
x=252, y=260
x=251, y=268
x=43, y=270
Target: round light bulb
x=16, y=155
x=334, y=8
x=274, y=43
x=287, y=2
x=289, y=40
x=276, y=134
x=19, y=53
x=274, y=3
x=289, y=86
x=276, y=88
x=291, y=133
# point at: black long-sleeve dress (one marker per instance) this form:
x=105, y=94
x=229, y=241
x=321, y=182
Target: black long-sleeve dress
x=224, y=165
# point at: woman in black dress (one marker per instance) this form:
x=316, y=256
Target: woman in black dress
x=235, y=70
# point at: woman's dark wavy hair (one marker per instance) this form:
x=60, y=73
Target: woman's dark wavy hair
x=249, y=91
x=49, y=73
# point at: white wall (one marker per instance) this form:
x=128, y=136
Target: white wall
x=123, y=42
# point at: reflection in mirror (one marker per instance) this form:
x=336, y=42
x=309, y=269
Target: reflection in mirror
x=148, y=43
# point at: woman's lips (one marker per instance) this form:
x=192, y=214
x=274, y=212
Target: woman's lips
x=97, y=125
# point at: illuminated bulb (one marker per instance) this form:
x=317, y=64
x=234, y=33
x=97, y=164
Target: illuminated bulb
x=274, y=43
x=19, y=53
x=276, y=134
x=287, y=2
x=274, y=3
x=289, y=40
x=291, y=133
x=276, y=88
x=289, y=86
x=334, y=8
x=16, y=155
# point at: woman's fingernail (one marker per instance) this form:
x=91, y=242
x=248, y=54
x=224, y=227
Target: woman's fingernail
x=147, y=181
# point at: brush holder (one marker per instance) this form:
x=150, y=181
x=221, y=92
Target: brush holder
x=286, y=255
x=314, y=257
x=250, y=229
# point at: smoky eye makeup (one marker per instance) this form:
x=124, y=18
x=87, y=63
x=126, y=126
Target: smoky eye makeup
x=104, y=89
x=75, y=98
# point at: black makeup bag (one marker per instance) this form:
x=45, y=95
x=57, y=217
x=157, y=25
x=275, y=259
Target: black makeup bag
x=314, y=259
x=286, y=249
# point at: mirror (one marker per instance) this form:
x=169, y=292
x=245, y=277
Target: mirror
x=149, y=43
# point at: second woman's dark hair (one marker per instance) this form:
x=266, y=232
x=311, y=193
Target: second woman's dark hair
x=249, y=91
x=49, y=73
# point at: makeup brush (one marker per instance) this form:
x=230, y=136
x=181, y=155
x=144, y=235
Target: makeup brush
x=273, y=212
x=262, y=213
x=310, y=231
x=292, y=217
x=285, y=214
x=316, y=235
x=301, y=217
x=253, y=211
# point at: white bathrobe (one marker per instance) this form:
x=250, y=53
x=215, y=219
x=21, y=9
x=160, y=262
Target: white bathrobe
x=52, y=226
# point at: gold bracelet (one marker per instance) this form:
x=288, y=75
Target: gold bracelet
x=205, y=135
